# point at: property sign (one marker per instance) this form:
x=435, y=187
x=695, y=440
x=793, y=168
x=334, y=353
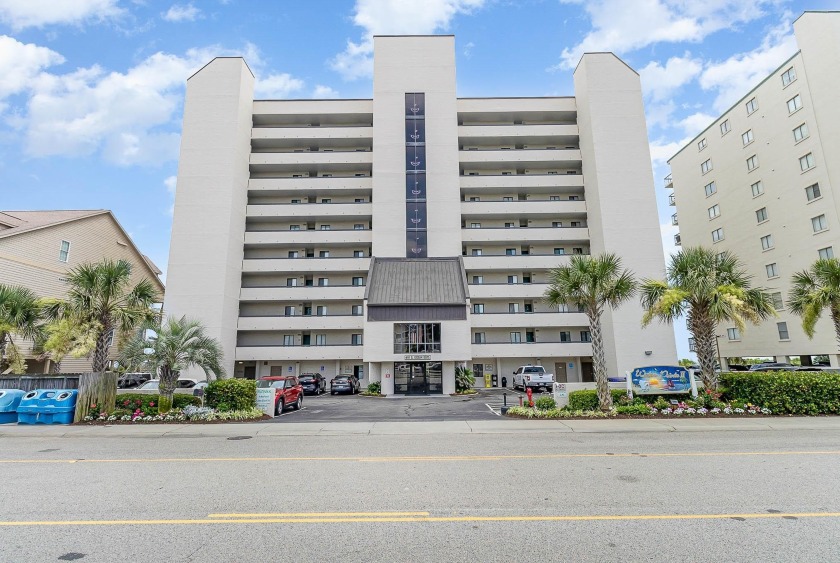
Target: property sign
x=659, y=380
x=561, y=395
x=265, y=399
x=417, y=357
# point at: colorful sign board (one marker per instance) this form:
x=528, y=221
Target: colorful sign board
x=660, y=380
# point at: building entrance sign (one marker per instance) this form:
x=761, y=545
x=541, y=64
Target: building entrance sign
x=659, y=380
x=417, y=357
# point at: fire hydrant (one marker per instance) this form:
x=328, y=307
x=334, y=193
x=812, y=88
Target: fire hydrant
x=530, y=397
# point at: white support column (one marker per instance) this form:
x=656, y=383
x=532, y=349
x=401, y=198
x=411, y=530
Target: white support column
x=448, y=377
x=782, y=359
x=834, y=360
x=337, y=367
x=387, y=371
x=373, y=372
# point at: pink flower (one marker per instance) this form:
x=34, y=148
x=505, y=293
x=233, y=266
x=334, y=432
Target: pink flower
x=151, y=403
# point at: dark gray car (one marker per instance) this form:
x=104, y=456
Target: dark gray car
x=344, y=384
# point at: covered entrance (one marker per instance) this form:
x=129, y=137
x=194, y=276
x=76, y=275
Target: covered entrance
x=418, y=378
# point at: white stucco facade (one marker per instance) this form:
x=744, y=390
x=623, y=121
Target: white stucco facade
x=282, y=204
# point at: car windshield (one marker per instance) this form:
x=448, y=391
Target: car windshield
x=343, y=378
x=265, y=383
x=307, y=379
x=534, y=370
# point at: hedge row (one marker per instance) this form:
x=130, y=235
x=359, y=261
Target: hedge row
x=231, y=394
x=785, y=392
x=587, y=399
x=149, y=403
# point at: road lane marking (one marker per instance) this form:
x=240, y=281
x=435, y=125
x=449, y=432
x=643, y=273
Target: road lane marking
x=424, y=519
x=316, y=514
x=395, y=459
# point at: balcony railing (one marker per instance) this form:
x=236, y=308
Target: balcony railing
x=672, y=200
x=669, y=184
x=674, y=220
x=677, y=240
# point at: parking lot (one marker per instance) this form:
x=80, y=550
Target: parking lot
x=356, y=408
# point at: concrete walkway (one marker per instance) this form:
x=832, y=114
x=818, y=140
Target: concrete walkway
x=497, y=426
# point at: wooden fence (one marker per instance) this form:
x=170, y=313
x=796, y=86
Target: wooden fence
x=43, y=381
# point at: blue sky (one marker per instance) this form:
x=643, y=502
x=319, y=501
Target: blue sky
x=91, y=91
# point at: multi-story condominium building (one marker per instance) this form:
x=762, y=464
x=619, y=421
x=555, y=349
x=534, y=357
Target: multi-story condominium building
x=38, y=248
x=759, y=182
x=399, y=236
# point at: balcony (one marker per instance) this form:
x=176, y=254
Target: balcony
x=530, y=349
x=355, y=185
x=674, y=220
x=531, y=183
x=535, y=208
x=548, y=159
x=677, y=240
x=302, y=322
x=518, y=320
x=672, y=200
x=525, y=234
x=519, y=262
x=311, y=211
x=305, y=265
x=268, y=138
x=561, y=135
x=669, y=183
x=297, y=239
x=268, y=162
x=481, y=291
x=303, y=293
x=299, y=353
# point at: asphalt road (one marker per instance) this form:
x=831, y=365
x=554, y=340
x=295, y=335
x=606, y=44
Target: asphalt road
x=607, y=496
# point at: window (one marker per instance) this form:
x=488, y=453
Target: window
x=478, y=308
x=714, y=211
x=513, y=307
x=510, y=252
x=359, y=200
x=575, y=223
x=706, y=166
x=554, y=198
x=559, y=251
x=288, y=340
x=476, y=252
x=507, y=198
x=416, y=338
x=747, y=137
x=752, y=163
x=733, y=334
x=573, y=198
x=778, y=302
x=293, y=254
x=585, y=336
x=767, y=242
x=513, y=279
x=356, y=310
x=772, y=270
x=710, y=188
x=565, y=336
x=812, y=192
x=475, y=225
x=783, y=331
x=725, y=127
x=474, y=198
x=701, y=144
x=478, y=280
x=788, y=76
x=359, y=227
x=757, y=188
x=761, y=215
x=752, y=105
x=358, y=254
x=800, y=133
x=576, y=250
x=64, y=251
x=110, y=339
x=289, y=311
x=825, y=253
x=515, y=337
x=794, y=103
x=326, y=200
x=509, y=225
x=819, y=223
x=356, y=339
x=323, y=282
x=479, y=338
x=806, y=162
x=325, y=227
x=321, y=310
x=295, y=201
x=717, y=235
x=291, y=282
x=294, y=227
x=324, y=254
x=358, y=280
x=692, y=346
x=320, y=340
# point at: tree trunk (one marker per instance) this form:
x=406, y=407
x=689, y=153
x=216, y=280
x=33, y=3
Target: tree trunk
x=599, y=360
x=100, y=353
x=705, y=343
x=835, y=318
x=97, y=393
x=166, y=389
x=3, y=336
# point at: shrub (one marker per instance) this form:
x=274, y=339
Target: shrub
x=633, y=409
x=374, y=388
x=785, y=392
x=545, y=403
x=587, y=399
x=231, y=394
x=464, y=379
x=148, y=404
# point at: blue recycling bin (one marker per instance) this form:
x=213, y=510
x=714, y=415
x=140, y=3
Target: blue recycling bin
x=61, y=407
x=9, y=402
x=48, y=406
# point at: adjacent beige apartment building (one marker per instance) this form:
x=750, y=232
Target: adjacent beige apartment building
x=760, y=182
x=400, y=236
x=37, y=249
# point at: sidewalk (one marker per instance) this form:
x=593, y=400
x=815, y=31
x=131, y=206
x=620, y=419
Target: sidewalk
x=499, y=426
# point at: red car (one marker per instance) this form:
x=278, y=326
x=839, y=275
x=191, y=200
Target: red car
x=288, y=392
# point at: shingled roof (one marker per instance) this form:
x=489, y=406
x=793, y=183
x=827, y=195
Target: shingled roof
x=417, y=281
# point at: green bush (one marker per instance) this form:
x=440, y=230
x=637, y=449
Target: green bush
x=633, y=409
x=148, y=404
x=587, y=399
x=785, y=392
x=464, y=379
x=545, y=403
x=231, y=394
x=374, y=388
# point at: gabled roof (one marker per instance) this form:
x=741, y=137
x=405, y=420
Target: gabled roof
x=417, y=281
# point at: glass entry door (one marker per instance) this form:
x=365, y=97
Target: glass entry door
x=417, y=382
x=418, y=378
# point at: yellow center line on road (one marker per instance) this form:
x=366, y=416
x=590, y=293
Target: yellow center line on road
x=427, y=519
x=403, y=459
x=316, y=514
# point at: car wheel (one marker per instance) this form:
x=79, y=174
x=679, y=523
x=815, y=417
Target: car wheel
x=299, y=403
x=278, y=410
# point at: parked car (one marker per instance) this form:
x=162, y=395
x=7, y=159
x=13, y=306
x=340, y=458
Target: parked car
x=532, y=376
x=770, y=366
x=288, y=392
x=132, y=380
x=154, y=384
x=313, y=383
x=344, y=384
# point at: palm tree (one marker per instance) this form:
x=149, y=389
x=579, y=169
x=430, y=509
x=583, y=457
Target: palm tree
x=21, y=315
x=708, y=288
x=592, y=284
x=815, y=290
x=178, y=345
x=99, y=296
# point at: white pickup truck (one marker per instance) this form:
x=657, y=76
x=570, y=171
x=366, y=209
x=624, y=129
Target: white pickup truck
x=532, y=376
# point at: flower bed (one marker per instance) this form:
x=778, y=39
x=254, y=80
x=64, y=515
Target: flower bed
x=191, y=414
x=651, y=412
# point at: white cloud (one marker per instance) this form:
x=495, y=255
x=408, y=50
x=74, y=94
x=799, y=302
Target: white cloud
x=468, y=49
x=659, y=82
x=696, y=122
x=625, y=25
x=738, y=74
x=661, y=151
x=170, y=182
x=394, y=17
x=20, y=14
x=276, y=86
x=20, y=63
x=181, y=12
x=324, y=92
